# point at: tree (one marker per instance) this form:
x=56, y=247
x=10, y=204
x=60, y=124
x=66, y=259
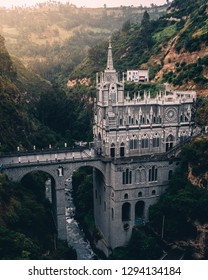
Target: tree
x=146, y=30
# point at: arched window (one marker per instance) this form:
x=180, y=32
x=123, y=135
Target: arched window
x=126, y=196
x=139, y=213
x=169, y=142
x=122, y=150
x=112, y=150
x=140, y=194
x=153, y=174
x=133, y=143
x=127, y=177
x=145, y=142
x=156, y=141
x=126, y=211
x=153, y=192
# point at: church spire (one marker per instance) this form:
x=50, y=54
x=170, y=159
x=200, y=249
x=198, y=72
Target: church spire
x=110, y=58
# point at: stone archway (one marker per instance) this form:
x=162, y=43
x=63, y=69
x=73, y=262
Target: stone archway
x=37, y=182
x=169, y=142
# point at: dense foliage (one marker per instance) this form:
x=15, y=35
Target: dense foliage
x=142, y=246
x=26, y=225
x=184, y=205
x=157, y=44
x=83, y=198
x=53, y=38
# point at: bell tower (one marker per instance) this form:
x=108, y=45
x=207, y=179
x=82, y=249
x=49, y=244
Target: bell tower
x=135, y=136
x=110, y=95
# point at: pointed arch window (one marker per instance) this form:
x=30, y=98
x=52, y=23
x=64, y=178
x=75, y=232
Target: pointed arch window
x=126, y=211
x=122, y=150
x=133, y=143
x=112, y=150
x=156, y=141
x=145, y=142
x=169, y=142
x=153, y=174
x=127, y=177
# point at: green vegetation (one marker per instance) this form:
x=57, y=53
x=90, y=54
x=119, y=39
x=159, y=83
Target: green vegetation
x=83, y=198
x=142, y=246
x=53, y=38
x=184, y=205
x=146, y=45
x=26, y=224
x=33, y=112
x=186, y=73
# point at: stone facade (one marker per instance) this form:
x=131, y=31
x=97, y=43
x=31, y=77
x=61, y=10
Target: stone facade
x=135, y=136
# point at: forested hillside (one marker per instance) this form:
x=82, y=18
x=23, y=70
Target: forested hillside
x=52, y=38
x=27, y=228
x=36, y=113
x=18, y=89
x=37, y=109
x=174, y=47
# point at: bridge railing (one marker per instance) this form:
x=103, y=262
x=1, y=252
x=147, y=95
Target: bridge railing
x=42, y=151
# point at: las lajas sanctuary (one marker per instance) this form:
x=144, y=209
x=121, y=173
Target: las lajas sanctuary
x=136, y=145
x=138, y=139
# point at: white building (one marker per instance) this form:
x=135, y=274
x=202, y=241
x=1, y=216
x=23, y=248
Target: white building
x=141, y=75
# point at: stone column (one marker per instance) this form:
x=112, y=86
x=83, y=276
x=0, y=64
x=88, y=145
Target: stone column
x=60, y=208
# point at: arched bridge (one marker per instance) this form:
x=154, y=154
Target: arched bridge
x=60, y=165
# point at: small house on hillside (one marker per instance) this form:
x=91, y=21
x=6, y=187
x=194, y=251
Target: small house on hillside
x=139, y=76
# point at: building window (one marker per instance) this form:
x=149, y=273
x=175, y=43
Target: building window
x=104, y=206
x=122, y=150
x=153, y=192
x=126, y=211
x=126, y=196
x=112, y=214
x=112, y=150
x=156, y=141
x=153, y=174
x=140, y=194
x=145, y=143
x=169, y=142
x=127, y=177
x=133, y=143
x=139, y=213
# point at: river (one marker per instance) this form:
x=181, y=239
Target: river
x=75, y=234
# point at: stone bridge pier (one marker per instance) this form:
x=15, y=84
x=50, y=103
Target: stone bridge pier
x=59, y=172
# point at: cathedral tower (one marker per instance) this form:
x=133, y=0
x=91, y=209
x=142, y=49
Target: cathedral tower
x=134, y=138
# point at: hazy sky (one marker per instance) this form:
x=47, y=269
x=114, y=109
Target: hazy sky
x=86, y=3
